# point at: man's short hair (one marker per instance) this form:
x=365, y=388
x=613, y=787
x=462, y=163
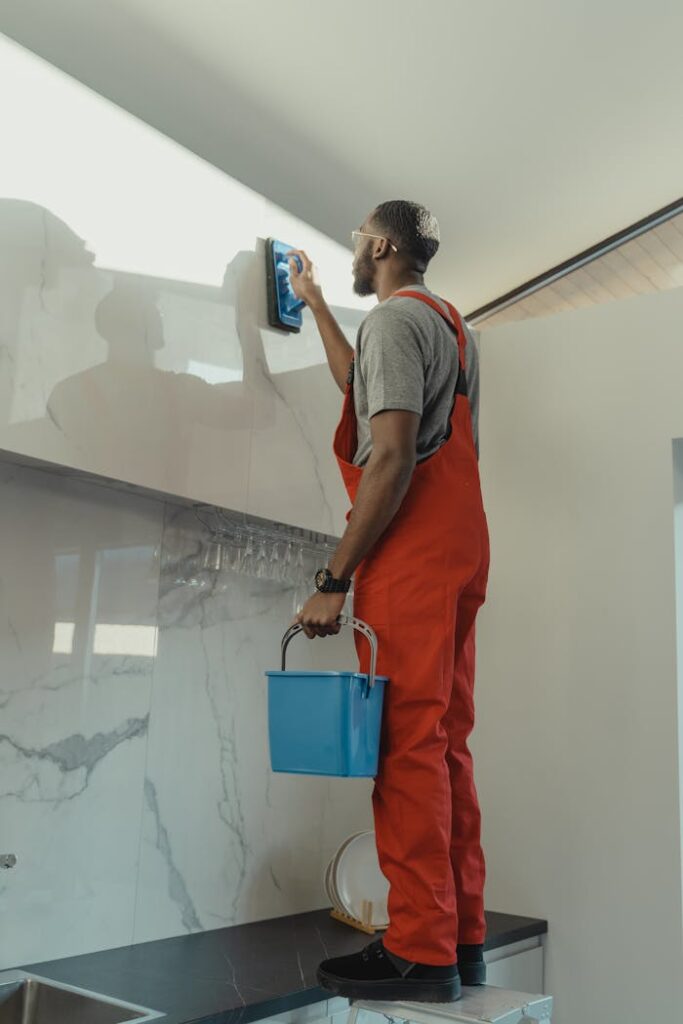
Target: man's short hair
x=411, y=227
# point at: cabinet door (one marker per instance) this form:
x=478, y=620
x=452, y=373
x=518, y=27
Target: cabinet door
x=522, y=972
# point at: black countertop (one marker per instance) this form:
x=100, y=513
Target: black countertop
x=239, y=974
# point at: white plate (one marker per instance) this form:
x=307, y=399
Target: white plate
x=326, y=879
x=356, y=877
x=330, y=874
x=334, y=896
x=342, y=846
x=331, y=895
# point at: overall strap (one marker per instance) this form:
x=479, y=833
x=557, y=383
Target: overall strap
x=454, y=322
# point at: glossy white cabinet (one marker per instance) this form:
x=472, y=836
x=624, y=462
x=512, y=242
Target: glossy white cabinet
x=133, y=334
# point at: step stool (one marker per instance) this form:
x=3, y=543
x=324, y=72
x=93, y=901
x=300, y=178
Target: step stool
x=480, y=1004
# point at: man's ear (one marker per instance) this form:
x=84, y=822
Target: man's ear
x=382, y=249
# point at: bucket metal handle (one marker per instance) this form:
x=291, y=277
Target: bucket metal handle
x=343, y=620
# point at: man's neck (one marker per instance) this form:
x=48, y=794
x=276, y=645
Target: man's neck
x=394, y=284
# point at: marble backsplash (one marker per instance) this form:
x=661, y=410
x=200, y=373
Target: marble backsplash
x=135, y=787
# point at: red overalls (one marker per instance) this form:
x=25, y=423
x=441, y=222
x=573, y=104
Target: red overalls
x=420, y=589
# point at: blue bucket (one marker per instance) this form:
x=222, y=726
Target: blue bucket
x=326, y=723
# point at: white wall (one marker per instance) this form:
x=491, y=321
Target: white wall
x=577, y=750
x=133, y=333
x=678, y=541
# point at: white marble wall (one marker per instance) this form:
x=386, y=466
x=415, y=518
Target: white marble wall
x=135, y=786
x=133, y=334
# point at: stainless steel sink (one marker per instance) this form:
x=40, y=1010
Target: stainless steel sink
x=27, y=999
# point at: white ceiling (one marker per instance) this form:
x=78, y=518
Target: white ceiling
x=532, y=128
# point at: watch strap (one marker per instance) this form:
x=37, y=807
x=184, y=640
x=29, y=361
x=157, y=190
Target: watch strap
x=330, y=584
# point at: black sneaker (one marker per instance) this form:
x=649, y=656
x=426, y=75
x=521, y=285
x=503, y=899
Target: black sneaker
x=375, y=973
x=471, y=964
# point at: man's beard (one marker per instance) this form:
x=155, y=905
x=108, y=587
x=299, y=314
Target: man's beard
x=363, y=275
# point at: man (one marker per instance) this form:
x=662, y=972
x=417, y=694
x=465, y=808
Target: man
x=417, y=542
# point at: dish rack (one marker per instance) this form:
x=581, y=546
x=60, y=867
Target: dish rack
x=364, y=925
x=360, y=904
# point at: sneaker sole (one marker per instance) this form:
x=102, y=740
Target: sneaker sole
x=401, y=989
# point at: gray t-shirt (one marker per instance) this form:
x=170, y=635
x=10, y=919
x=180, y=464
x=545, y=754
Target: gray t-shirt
x=407, y=358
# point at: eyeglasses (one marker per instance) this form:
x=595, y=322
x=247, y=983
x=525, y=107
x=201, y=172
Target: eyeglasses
x=355, y=235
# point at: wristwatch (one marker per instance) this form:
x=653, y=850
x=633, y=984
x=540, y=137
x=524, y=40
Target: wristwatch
x=327, y=584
